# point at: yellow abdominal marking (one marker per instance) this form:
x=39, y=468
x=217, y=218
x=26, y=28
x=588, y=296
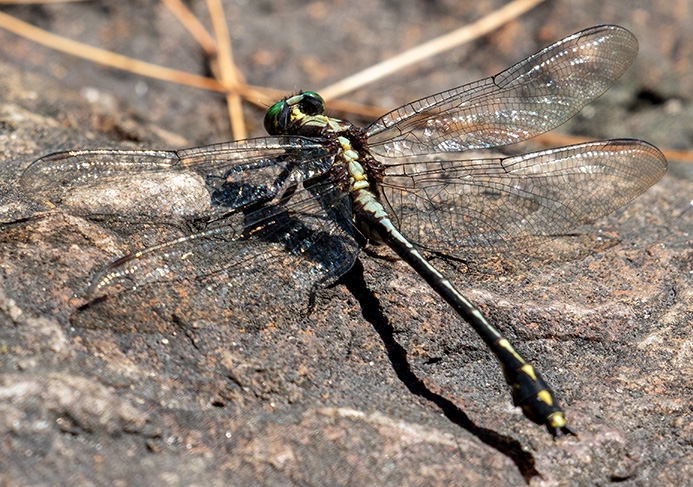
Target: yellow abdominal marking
x=557, y=420
x=545, y=397
x=529, y=370
x=503, y=342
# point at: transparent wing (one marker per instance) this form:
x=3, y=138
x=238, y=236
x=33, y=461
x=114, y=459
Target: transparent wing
x=527, y=99
x=262, y=203
x=310, y=236
x=444, y=204
x=190, y=183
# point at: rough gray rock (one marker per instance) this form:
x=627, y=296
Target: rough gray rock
x=381, y=384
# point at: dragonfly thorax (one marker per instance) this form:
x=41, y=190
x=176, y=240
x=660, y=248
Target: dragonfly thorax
x=304, y=115
x=350, y=158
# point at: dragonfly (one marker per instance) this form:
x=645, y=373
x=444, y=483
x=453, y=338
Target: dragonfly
x=312, y=193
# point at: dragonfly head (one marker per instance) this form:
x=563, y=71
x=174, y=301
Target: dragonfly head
x=288, y=116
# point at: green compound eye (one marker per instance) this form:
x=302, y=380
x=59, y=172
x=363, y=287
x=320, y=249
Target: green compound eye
x=311, y=103
x=273, y=124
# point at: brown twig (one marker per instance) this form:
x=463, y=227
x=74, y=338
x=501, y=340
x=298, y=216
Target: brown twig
x=12, y=2
x=102, y=56
x=228, y=74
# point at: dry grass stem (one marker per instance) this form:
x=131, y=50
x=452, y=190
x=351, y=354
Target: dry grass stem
x=104, y=57
x=16, y=2
x=229, y=76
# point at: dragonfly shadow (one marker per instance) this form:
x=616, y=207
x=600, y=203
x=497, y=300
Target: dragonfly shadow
x=265, y=271
x=372, y=312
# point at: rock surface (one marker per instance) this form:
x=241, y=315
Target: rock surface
x=381, y=384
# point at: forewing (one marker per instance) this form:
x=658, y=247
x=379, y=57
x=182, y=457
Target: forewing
x=450, y=206
x=527, y=99
x=141, y=184
x=265, y=206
